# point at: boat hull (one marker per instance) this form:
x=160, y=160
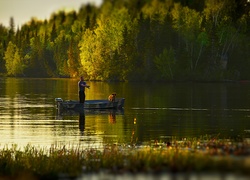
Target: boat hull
x=89, y=104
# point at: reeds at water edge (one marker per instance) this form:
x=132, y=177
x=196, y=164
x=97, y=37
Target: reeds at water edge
x=204, y=154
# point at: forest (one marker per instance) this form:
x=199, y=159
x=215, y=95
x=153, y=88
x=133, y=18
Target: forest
x=133, y=40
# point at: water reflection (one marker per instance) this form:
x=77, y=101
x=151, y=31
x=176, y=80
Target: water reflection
x=111, y=114
x=82, y=121
x=112, y=117
x=28, y=114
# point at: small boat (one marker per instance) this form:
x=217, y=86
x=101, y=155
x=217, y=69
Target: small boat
x=75, y=105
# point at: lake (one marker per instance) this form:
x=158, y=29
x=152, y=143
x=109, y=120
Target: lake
x=153, y=112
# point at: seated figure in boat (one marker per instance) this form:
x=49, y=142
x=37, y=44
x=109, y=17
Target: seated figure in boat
x=111, y=97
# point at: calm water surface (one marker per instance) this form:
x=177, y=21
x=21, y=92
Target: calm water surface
x=153, y=111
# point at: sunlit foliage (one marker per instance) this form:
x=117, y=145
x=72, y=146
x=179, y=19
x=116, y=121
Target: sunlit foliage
x=99, y=48
x=129, y=40
x=13, y=61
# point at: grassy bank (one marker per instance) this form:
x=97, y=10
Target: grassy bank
x=204, y=154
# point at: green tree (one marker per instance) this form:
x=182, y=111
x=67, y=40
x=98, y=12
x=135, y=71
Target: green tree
x=60, y=48
x=225, y=33
x=101, y=50
x=87, y=16
x=3, y=46
x=132, y=40
x=73, y=60
x=11, y=29
x=90, y=55
x=187, y=22
x=13, y=61
x=165, y=63
x=217, y=17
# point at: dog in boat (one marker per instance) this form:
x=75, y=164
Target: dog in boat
x=111, y=97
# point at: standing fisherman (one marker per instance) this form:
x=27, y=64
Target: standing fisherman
x=81, y=86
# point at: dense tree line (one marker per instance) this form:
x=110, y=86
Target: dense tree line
x=133, y=40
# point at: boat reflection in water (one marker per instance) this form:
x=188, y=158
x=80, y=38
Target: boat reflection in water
x=112, y=117
x=73, y=107
x=111, y=112
x=82, y=115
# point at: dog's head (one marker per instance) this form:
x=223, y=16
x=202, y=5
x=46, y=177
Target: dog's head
x=112, y=97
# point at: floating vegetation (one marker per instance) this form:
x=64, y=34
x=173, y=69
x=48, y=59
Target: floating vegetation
x=205, y=154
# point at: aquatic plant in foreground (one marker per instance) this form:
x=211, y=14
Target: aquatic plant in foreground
x=185, y=155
